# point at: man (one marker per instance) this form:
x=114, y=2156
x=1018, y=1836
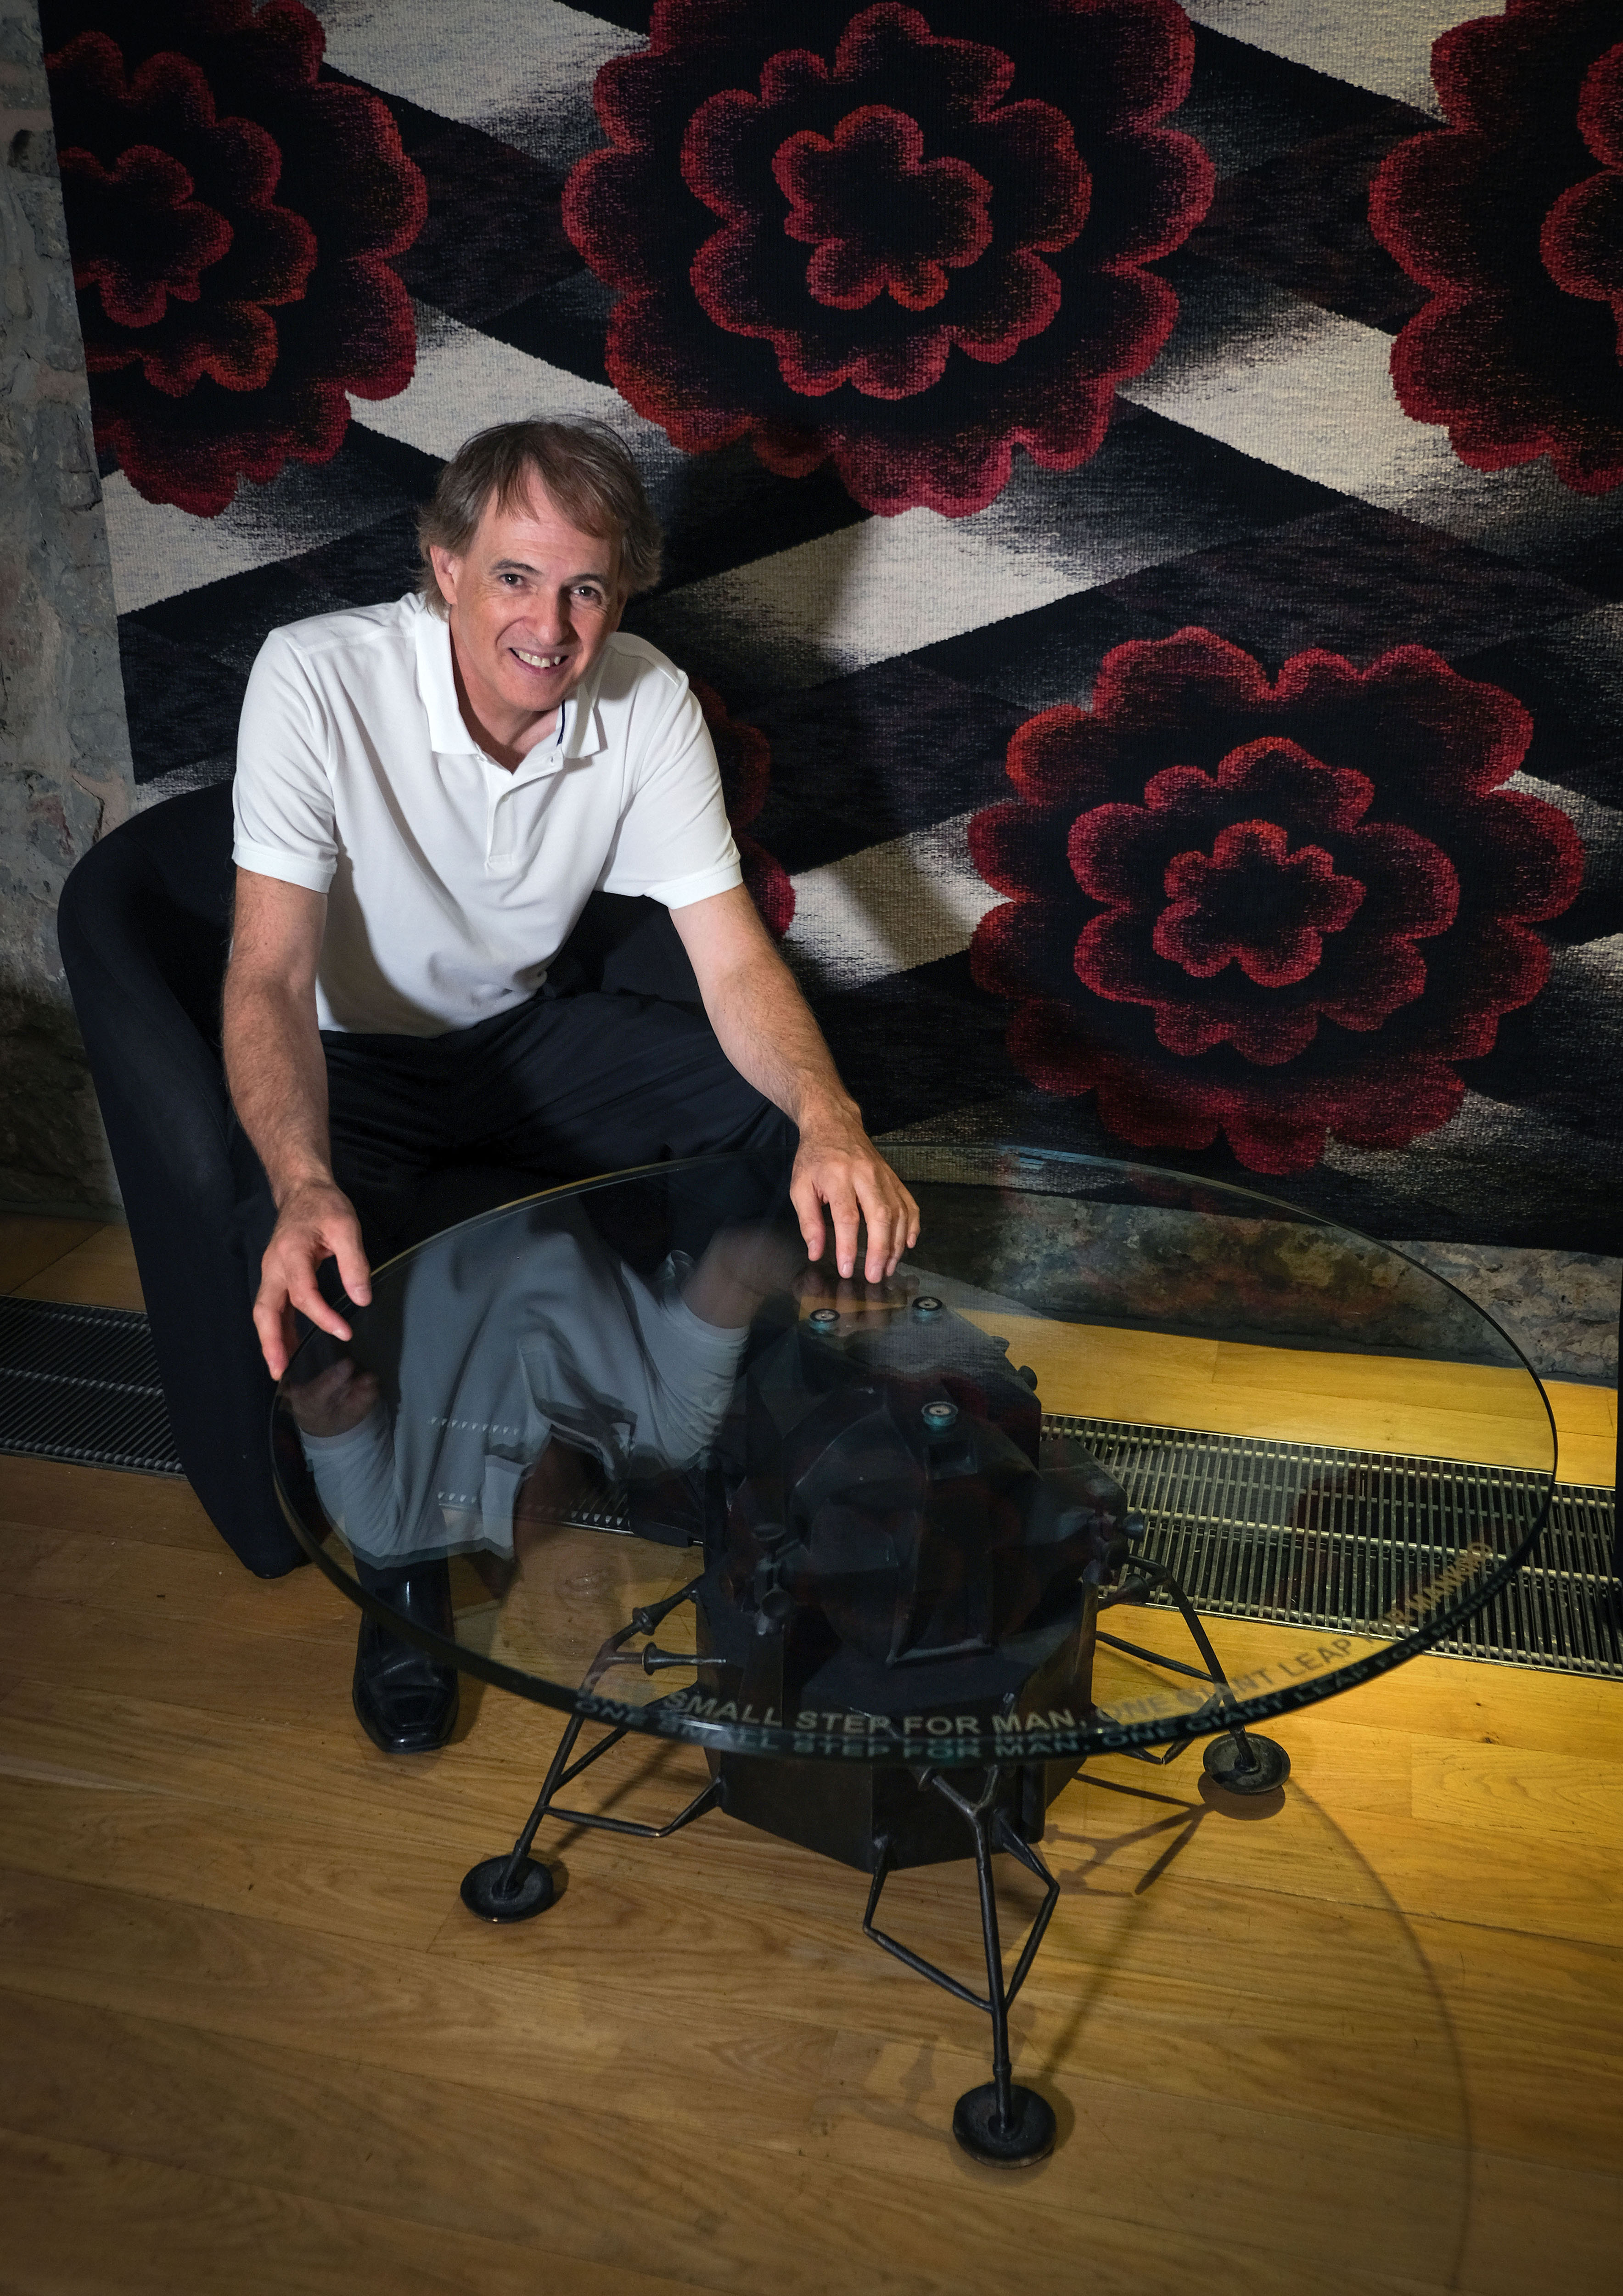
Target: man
x=427, y=793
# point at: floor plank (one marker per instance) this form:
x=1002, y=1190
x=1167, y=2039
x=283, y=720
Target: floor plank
x=71, y=2208
x=28, y=1245
x=98, y=1271
x=157, y=1510
x=432, y=2149
x=88, y=1570
x=1472, y=1410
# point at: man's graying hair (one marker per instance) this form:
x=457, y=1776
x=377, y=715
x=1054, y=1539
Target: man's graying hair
x=586, y=472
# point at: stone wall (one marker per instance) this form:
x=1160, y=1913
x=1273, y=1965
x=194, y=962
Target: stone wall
x=64, y=748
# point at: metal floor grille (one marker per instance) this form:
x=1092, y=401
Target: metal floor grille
x=1279, y=1532
x=1285, y=1533
x=1306, y=1535
x=81, y=1384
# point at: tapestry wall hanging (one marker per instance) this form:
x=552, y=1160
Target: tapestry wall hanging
x=1144, y=490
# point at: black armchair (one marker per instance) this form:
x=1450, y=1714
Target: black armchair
x=144, y=926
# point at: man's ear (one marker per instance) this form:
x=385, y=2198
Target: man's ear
x=446, y=567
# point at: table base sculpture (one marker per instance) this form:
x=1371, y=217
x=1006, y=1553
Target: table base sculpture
x=879, y=1818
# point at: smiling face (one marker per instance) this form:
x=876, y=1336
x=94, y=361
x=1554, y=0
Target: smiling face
x=533, y=602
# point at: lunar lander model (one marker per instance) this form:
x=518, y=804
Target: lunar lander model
x=896, y=1559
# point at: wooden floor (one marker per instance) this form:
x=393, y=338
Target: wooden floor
x=1369, y=2041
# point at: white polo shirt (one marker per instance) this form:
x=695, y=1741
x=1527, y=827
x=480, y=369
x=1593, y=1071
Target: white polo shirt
x=452, y=883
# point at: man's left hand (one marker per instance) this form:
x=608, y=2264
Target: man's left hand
x=838, y=1167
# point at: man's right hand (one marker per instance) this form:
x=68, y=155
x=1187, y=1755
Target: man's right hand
x=278, y=1079
x=316, y=1222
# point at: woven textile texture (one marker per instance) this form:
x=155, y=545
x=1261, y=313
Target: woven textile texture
x=1144, y=489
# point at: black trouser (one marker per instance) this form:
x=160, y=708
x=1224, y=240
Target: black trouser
x=561, y=1089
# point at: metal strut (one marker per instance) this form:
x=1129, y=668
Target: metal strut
x=1238, y=1760
x=515, y=1888
x=999, y=2122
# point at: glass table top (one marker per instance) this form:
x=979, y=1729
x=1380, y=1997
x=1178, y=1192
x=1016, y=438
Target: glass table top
x=1116, y=1459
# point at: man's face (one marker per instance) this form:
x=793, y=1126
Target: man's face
x=533, y=602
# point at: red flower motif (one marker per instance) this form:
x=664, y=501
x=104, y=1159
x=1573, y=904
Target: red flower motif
x=1513, y=217
x=230, y=216
x=878, y=213
x=894, y=243
x=745, y=758
x=1281, y=911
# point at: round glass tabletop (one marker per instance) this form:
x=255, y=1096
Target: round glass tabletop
x=1117, y=1458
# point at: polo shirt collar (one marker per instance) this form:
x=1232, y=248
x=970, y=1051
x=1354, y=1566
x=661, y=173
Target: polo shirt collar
x=582, y=724
x=437, y=684
x=582, y=729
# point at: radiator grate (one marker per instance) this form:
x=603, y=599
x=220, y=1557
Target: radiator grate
x=1282, y=1532
x=1279, y=1532
x=81, y=1384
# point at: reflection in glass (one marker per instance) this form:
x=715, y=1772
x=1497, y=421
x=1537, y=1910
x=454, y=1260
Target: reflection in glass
x=516, y=1367
x=884, y=1519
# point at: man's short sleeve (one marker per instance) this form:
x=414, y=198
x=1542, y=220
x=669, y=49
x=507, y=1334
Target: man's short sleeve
x=675, y=842
x=283, y=795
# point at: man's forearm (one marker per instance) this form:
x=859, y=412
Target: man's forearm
x=766, y=1028
x=278, y=1081
x=766, y=1031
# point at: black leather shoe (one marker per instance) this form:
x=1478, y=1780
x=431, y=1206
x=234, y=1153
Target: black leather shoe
x=404, y=1701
